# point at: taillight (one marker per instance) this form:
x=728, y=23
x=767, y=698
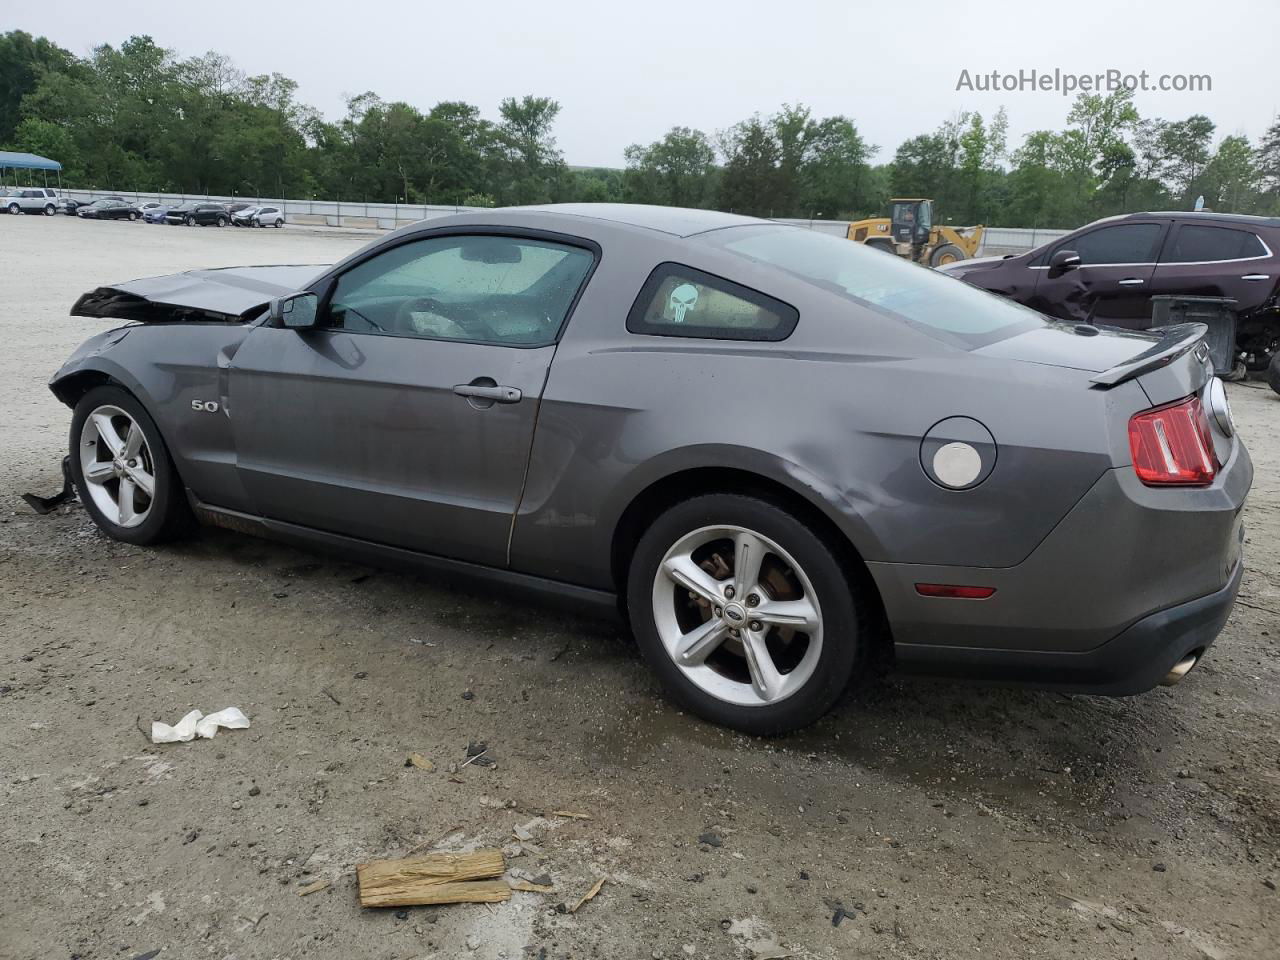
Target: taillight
x=1171, y=445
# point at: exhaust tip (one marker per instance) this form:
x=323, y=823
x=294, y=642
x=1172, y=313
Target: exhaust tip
x=1180, y=670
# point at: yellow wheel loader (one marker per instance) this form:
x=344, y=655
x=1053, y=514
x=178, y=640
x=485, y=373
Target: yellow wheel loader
x=909, y=231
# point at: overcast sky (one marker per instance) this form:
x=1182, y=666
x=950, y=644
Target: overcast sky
x=625, y=72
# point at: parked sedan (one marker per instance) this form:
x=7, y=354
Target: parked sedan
x=109, y=210
x=267, y=216
x=71, y=205
x=199, y=213
x=1108, y=271
x=156, y=213
x=783, y=455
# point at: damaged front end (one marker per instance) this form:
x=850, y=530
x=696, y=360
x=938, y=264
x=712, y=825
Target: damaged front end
x=228, y=295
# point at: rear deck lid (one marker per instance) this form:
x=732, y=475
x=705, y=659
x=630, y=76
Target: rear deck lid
x=1169, y=363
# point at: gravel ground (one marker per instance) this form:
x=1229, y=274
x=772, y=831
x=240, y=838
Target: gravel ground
x=944, y=820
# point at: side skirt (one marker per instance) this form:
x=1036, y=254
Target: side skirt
x=585, y=599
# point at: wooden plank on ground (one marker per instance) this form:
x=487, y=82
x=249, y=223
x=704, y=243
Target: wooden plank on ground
x=433, y=878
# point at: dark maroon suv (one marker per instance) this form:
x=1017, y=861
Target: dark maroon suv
x=1108, y=271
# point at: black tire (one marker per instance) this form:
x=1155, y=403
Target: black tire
x=132, y=216
x=1273, y=372
x=221, y=221
x=845, y=612
x=279, y=224
x=944, y=254
x=49, y=210
x=14, y=209
x=170, y=514
x=189, y=220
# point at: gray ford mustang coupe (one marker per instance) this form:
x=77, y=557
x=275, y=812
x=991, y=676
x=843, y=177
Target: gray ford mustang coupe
x=783, y=455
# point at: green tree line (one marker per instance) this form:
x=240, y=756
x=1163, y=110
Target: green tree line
x=137, y=117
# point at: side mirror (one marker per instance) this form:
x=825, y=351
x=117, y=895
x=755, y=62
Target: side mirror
x=1064, y=260
x=295, y=312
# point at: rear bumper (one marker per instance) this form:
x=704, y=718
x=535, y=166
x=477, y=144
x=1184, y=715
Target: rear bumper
x=1133, y=662
x=1129, y=582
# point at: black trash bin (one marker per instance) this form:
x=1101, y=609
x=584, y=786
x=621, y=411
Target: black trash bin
x=1216, y=313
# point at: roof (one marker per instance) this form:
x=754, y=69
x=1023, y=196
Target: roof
x=1209, y=215
x=678, y=221
x=27, y=161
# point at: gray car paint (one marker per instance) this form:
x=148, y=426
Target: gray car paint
x=361, y=437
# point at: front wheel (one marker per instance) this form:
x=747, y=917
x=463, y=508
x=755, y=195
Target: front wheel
x=132, y=217
x=122, y=470
x=222, y=221
x=14, y=208
x=1273, y=372
x=189, y=220
x=947, y=253
x=744, y=613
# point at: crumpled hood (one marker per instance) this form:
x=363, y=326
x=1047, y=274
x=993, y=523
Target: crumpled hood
x=227, y=294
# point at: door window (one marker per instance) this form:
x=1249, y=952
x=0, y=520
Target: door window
x=1196, y=243
x=480, y=289
x=1122, y=243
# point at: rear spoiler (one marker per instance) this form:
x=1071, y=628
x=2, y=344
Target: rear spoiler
x=1176, y=341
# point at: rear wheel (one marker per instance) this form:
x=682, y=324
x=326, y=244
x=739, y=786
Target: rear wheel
x=49, y=210
x=1273, y=372
x=744, y=614
x=132, y=216
x=279, y=224
x=122, y=470
x=222, y=221
x=947, y=253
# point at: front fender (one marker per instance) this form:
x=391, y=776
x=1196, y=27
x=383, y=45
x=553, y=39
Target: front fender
x=90, y=364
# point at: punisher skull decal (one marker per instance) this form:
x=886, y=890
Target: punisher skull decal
x=683, y=299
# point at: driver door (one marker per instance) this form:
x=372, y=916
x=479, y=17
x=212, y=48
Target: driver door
x=407, y=415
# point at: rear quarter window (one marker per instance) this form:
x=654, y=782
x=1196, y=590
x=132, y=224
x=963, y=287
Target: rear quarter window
x=681, y=301
x=1197, y=243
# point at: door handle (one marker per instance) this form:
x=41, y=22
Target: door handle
x=1131, y=282
x=494, y=393
x=1256, y=276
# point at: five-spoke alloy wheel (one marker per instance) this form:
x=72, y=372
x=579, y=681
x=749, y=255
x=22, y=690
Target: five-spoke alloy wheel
x=117, y=465
x=744, y=612
x=122, y=469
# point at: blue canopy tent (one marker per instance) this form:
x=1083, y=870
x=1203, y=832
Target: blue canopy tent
x=28, y=161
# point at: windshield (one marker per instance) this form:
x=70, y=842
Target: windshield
x=942, y=306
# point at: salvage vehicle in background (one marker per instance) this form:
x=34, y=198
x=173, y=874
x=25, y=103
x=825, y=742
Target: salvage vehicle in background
x=1108, y=271
x=783, y=455
x=109, y=210
x=70, y=205
x=199, y=213
x=909, y=231
x=31, y=200
x=157, y=212
x=265, y=216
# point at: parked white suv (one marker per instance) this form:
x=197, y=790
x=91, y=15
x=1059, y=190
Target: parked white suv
x=31, y=200
x=258, y=217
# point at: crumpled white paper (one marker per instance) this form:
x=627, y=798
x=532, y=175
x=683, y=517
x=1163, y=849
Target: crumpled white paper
x=196, y=724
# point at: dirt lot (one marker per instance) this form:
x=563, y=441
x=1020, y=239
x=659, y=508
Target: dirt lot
x=949, y=821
